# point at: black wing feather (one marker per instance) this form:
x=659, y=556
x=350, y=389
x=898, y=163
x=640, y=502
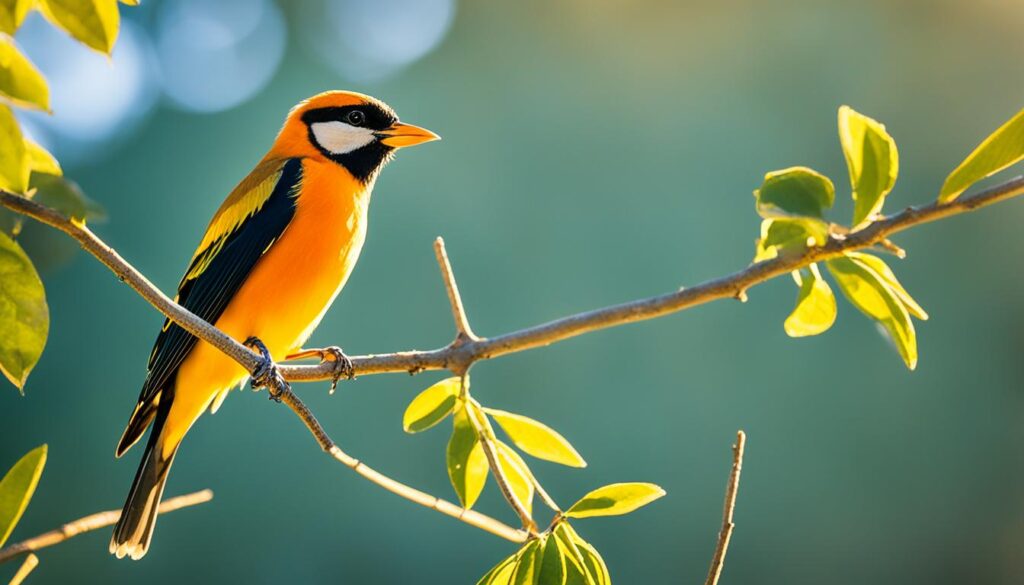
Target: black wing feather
x=208, y=294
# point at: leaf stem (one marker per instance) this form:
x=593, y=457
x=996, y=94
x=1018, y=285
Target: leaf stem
x=725, y=534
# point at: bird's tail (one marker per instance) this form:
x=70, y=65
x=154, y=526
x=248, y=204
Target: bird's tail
x=134, y=529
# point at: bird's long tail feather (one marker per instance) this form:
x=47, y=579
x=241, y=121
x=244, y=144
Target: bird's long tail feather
x=134, y=529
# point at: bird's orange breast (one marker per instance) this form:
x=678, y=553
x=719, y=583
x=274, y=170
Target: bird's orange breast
x=289, y=289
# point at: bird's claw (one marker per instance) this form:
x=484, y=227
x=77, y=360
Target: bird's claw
x=266, y=374
x=343, y=369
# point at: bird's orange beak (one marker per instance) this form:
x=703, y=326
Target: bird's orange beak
x=400, y=135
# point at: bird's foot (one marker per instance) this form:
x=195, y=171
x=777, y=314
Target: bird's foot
x=266, y=375
x=343, y=369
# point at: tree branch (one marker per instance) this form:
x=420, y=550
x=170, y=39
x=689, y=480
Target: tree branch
x=93, y=522
x=470, y=517
x=30, y=564
x=463, y=332
x=718, y=560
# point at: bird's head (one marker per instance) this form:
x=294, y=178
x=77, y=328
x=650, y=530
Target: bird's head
x=353, y=130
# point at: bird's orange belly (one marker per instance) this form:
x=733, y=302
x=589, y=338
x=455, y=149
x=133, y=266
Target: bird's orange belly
x=281, y=302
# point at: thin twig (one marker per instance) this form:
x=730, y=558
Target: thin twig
x=718, y=561
x=95, y=521
x=462, y=328
x=485, y=433
x=31, y=562
x=470, y=517
x=459, y=356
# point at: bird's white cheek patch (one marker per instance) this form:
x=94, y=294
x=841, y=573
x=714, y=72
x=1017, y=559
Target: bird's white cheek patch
x=338, y=137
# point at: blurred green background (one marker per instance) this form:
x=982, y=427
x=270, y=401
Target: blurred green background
x=593, y=153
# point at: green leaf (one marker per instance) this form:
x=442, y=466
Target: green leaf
x=12, y=13
x=596, y=569
x=887, y=275
x=794, y=192
x=519, y=477
x=24, y=316
x=66, y=197
x=14, y=161
x=17, y=487
x=782, y=235
x=537, y=439
x=20, y=81
x=868, y=291
x=432, y=405
x=1001, y=149
x=552, y=564
x=872, y=159
x=40, y=160
x=528, y=565
x=92, y=22
x=576, y=571
x=815, y=309
x=501, y=573
x=615, y=499
x=467, y=464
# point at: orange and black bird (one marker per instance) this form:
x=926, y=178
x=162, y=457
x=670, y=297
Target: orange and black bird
x=273, y=258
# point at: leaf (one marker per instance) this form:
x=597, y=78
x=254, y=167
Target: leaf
x=815, y=309
x=596, y=569
x=66, y=197
x=130, y=2
x=615, y=499
x=872, y=160
x=1001, y=149
x=17, y=487
x=794, y=192
x=867, y=291
x=552, y=564
x=24, y=316
x=92, y=22
x=537, y=439
x=576, y=571
x=40, y=160
x=780, y=235
x=20, y=81
x=14, y=161
x=467, y=464
x=883, y=270
x=12, y=13
x=501, y=573
x=528, y=565
x=432, y=405
x=518, y=475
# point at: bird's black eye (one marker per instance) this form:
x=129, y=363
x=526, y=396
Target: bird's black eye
x=355, y=118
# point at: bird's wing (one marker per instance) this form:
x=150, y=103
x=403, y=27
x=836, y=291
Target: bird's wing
x=247, y=224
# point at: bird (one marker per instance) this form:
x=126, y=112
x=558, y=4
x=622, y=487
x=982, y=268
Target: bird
x=271, y=262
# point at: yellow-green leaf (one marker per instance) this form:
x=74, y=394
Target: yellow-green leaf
x=794, y=192
x=24, y=316
x=467, y=464
x=519, y=477
x=537, y=439
x=432, y=405
x=130, y=2
x=867, y=291
x=528, y=565
x=501, y=573
x=872, y=160
x=596, y=569
x=66, y=197
x=17, y=487
x=12, y=13
x=40, y=160
x=576, y=571
x=781, y=235
x=883, y=270
x=815, y=309
x=552, y=564
x=94, y=23
x=1001, y=149
x=20, y=82
x=615, y=499
x=14, y=161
